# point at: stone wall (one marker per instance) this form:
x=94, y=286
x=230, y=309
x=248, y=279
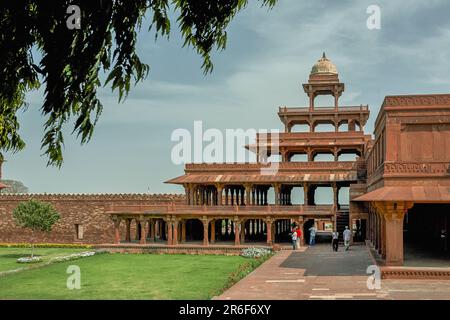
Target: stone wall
x=86, y=210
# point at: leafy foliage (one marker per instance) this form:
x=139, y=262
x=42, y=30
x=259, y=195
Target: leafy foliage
x=35, y=215
x=73, y=60
x=14, y=187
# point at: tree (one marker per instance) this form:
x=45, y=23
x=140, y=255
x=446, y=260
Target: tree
x=14, y=187
x=73, y=60
x=35, y=215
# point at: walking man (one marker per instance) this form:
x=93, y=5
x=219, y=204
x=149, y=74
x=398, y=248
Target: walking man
x=335, y=240
x=347, y=235
x=312, y=236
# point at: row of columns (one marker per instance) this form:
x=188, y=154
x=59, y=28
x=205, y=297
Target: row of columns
x=385, y=230
x=286, y=155
x=218, y=195
x=169, y=228
x=351, y=126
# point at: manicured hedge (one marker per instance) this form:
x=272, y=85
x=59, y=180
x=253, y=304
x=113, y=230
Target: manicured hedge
x=46, y=245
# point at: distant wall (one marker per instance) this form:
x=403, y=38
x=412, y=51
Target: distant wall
x=85, y=210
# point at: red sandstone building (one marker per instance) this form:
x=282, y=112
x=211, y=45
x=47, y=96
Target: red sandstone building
x=398, y=184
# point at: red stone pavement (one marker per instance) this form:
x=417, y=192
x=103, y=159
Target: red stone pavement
x=320, y=273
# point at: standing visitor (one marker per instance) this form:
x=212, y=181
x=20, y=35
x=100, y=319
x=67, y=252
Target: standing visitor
x=335, y=240
x=347, y=234
x=312, y=236
x=299, y=236
x=294, y=239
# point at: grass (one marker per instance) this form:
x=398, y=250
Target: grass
x=131, y=276
x=9, y=256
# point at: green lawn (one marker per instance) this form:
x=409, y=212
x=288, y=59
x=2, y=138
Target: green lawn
x=9, y=256
x=127, y=276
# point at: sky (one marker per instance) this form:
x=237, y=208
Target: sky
x=269, y=55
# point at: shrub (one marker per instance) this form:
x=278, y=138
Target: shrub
x=255, y=252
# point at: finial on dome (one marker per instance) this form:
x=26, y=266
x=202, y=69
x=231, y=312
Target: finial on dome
x=324, y=56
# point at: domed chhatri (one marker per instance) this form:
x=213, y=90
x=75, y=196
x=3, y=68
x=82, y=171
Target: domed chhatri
x=324, y=66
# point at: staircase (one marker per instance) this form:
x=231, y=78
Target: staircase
x=342, y=220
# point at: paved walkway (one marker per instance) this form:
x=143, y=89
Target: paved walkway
x=320, y=273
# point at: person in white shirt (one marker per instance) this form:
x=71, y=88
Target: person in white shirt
x=335, y=240
x=347, y=235
x=294, y=239
x=312, y=236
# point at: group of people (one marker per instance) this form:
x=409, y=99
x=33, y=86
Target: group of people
x=335, y=239
x=296, y=235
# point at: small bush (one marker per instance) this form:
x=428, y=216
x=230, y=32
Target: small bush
x=255, y=252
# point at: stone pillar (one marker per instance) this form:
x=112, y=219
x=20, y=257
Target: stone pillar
x=175, y=231
x=237, y=233
x=169, y=231
x=116, y=231
x=393, y=214
x=305, y=194
x=213, y=231
x=269, y=231
x=336, y=197
x=219, y=195
x=143, y=231
x=243, y=231
x=183, y=231
x=205, y=231
x=128, y=232
x=248, y=197
x=277, y=188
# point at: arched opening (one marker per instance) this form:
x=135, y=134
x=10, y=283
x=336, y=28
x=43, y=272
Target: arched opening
x=324, y=101
x=300, y=127
x=348, y=155
x=297, y=195
x=323, y=156
x=343, y=126
x=194, y=230
x=255, y=230
x=281, y=231
x=325, y=126
x=323, y=195
x=299, y=157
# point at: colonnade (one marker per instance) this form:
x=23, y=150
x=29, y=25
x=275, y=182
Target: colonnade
x=250, y=194
x=173, y=230
x=385, y=229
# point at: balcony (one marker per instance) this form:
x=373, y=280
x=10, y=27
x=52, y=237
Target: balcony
x=242, y=211
x=322, y=110
x=282, y=166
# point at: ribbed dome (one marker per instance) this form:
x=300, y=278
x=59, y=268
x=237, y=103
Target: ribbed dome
x=324, y=65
